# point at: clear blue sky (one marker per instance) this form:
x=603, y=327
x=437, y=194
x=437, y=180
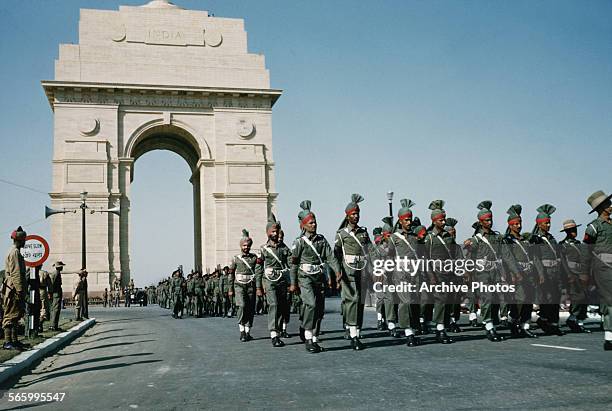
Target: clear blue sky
x=464, y=101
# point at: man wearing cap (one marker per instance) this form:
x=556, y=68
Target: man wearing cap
x=598, y=257
x=272, y=275
x=549, y=260
x=571, y=259
x=79, y=295
x=485, y=245
x=309, y=253
x=517, y=257
x=242, y=271
x=351, y=246
x=13, y=291
x=405, y=244
x=439, y=246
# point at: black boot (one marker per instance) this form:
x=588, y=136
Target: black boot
x=310, y=347
x=526, y=333
x=454, y=328
x=302, y=337
x=277, y=342
x=493, y=336
x=380, y=325
x=285, y=334
x=443, y=338
x=317, y=346
x=412, y=341
x=515, y=330
x=243, y=336
x=356, y=344
x=555, y=330
x=248, y=337
x=607, y=345
x=395, y=333
x=575, y=327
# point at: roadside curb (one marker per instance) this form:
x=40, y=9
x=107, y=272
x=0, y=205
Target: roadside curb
x=27, y=359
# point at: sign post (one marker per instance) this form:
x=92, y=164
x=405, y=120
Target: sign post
x=35, y=253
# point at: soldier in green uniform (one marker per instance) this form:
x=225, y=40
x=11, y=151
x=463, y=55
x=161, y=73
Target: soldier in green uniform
x=309, y=253
x=598, y=257
x=351, y=248
x=176, y=288
x=225, y=287
x=518, y=257
x=406, y=244
x=549, y=262
x=198, y=288
x=455, y=310
x=485, y=245
x=571, y=259
x=190, y=302
x=379, y=251
x=242, y=271
x=271, y=275
x=439, y=245
x=13, y=291
x=286, y=313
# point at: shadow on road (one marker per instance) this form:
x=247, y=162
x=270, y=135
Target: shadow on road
x=108, y=346
x=99, y=359
x=109, y=337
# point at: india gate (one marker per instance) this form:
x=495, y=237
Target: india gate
x=158, y=77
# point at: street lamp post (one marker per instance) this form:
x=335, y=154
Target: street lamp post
x=390, y=199
x=83, y=231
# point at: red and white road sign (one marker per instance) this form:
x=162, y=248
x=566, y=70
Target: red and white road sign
x=36, y=251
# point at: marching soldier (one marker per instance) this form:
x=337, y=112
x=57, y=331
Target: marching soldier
x=405, y=243
x=455, y=309
x=517, y=257
x=486, y=245
x=286, y=314
x=224, y=284
x=571, y=259
x=438, y=246
x=309, y=253
x=271, y=275
x=352, y=248
x=13, y=291
x=242, y=271
x=380, y=251
x=598, y=257
x=549, y=261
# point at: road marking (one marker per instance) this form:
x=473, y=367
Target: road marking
x=558, y=346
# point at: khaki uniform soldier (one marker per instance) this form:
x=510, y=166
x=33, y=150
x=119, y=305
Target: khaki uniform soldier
x=13, y=291
x=598, y=257
x=55, y=295
x=309, y=253
x=571, y=259
x=43, y=290
x=485, y=245
x=351, y=247
x=176, y=289
x=549, y=262
x=272, y=275
x=439, y=245
x=379, y=252
x=518, y=257
x=407, y=243
x=79, y=295
x=242, y=272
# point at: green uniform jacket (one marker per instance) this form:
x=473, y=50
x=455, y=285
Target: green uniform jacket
x=270, y=256
x=302, y=253
x=238, y=267
x=349, y=243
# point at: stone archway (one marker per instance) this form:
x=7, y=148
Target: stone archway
x=159, y=77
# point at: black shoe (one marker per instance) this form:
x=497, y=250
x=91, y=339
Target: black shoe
x=544, y=326
x=395, y=333
x=285, y=334
x=412, y=341
x=418, y=331
x=356, y=344
x=248, y=337
x=555, y=330
x=454, y=328
x=576, y=328
x=474, y=323
x=425, y=329
x=302, y=336
x=515, y=330
x=443, y=338
x=527, y=334
x=11, y=346
x=607, y=345
x=243, y=337
x=347, y=334
x=503, y=324
x=316, y=344
x=493, y=336
x=311, y=348
x=277, y=342
x=380, y=325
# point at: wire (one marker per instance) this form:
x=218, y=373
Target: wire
x=22, y=186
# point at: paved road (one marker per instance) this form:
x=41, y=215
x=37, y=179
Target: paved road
x=141, y=358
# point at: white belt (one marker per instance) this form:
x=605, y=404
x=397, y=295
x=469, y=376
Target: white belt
x=274, y=275
x=525, y=266
x=550, y=263
x=310, y=268
x=605, y=257
x=360, y=260
x=491, y=265
x=244, y=278
x=574, y=265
